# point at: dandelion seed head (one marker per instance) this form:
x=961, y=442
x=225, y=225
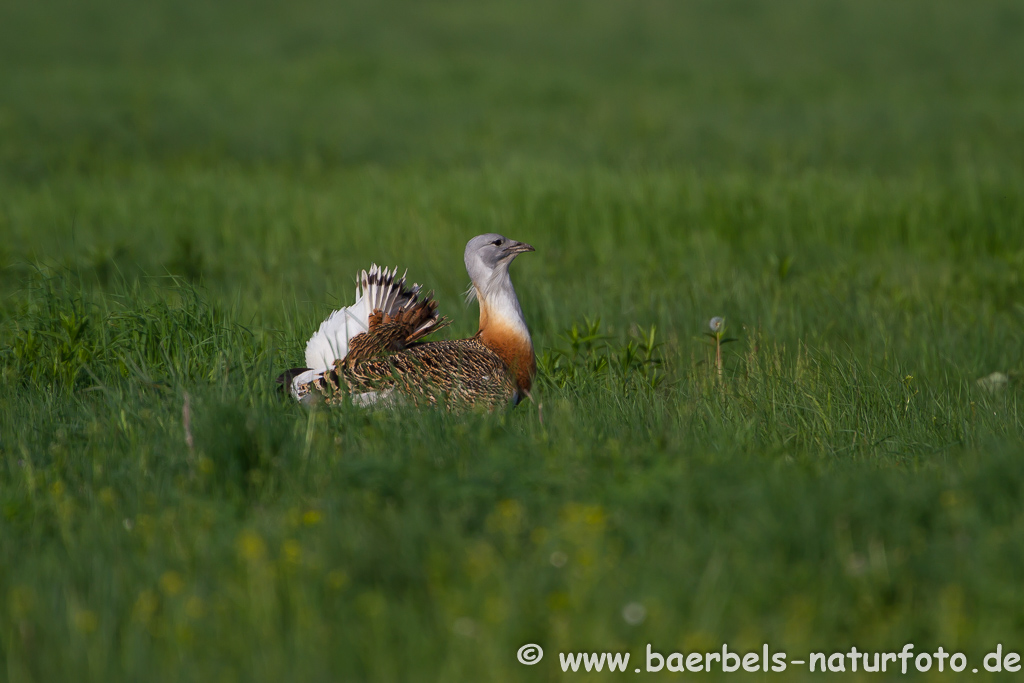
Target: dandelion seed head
x=716, y=323
x=634, y=613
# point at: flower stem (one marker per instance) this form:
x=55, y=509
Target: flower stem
x=718, y=354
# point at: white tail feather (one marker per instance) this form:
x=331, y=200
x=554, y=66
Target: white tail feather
x=378, y=289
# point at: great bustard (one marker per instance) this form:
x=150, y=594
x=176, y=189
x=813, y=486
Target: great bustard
x=371, y=351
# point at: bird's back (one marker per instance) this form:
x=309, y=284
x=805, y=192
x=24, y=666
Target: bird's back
x=455, y=372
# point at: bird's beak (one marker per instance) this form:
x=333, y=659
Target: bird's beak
x=514, y=248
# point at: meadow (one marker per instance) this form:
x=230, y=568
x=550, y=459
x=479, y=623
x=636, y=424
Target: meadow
x=187, y=189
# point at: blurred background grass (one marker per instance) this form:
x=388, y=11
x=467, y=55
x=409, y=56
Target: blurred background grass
x=186, y=189
x=872, y=86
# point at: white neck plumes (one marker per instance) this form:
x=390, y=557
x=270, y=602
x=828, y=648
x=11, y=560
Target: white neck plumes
x=499, y=305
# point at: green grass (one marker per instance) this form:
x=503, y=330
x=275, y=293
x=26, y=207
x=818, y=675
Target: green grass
x=187, y=189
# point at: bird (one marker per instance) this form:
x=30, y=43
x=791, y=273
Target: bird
x=373, y=352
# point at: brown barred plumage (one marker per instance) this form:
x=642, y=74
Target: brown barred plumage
x=454, y=373
x=391, y=333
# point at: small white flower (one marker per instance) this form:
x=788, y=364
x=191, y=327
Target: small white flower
x=558, y=559
x=716, y=323
x=634, y=613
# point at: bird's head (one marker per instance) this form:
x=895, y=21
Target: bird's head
x=489, y=255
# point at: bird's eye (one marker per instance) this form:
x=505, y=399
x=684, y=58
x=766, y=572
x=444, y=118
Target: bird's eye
x=497, y=243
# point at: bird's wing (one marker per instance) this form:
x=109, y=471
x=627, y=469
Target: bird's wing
x=395, y=330
x=383, y=301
